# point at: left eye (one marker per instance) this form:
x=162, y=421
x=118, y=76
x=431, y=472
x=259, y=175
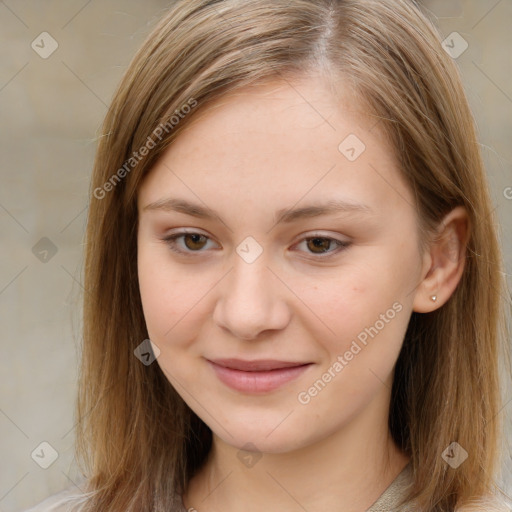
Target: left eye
x=194, y=242
x=320, y=245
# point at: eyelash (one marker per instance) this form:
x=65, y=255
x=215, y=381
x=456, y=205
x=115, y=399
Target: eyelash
x=171, y=241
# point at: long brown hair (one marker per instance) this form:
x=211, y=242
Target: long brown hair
x=137, y=441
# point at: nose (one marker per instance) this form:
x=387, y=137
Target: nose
x=252, y=300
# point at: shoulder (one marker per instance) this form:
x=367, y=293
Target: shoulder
x=68, y=500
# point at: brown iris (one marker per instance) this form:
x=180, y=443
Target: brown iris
x=317, y=242
x=198, y=241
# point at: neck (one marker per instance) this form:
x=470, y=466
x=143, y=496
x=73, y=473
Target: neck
x=348, y=470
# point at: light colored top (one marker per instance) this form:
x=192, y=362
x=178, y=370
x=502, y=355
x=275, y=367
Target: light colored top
x=388, y=501
x=392, y=496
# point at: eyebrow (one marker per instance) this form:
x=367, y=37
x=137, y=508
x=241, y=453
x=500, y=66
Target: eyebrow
x=285, y=215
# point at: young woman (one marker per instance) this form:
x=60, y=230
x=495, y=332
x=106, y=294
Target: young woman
x=289, y=201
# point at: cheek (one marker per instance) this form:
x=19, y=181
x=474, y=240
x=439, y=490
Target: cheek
x=161, y=294
x=175, y=305
x=365, y=303
x=345, y=299
x=169, y=319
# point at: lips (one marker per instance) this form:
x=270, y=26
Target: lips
x=258, y=376
x=255, y=366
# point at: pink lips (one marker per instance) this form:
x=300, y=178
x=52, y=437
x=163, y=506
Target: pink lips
x=259, y=376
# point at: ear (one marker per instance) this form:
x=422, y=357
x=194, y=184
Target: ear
x=443, y=262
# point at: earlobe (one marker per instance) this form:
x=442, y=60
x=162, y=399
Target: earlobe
x=447, y=261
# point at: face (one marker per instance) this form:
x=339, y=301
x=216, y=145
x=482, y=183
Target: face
x=278, y=319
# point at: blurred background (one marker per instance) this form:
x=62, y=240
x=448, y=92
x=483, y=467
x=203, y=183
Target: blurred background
x=60, y=62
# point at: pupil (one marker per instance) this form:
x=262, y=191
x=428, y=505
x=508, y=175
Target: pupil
x=195, y=239
x=319, y=242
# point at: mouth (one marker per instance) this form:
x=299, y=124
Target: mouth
x=258, y=376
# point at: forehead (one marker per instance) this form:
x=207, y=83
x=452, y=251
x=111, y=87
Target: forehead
x=280, y=141
x=279, y=112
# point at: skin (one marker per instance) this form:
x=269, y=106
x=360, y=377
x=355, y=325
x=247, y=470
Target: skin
x=256, y=151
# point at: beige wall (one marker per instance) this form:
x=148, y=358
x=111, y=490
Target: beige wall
x=50, y=114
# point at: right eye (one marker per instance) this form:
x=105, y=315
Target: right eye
x=193, y=242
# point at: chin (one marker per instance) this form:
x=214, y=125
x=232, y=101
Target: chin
x=269, y=433
x=254, y=440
